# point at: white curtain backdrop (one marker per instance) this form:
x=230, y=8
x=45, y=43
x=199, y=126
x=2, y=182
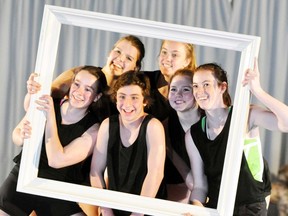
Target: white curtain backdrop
x=20, y=24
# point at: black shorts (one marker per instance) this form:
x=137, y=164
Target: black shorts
x=17, y=203
x=253, y=209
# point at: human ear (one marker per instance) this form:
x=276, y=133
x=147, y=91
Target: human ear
x=224, y=86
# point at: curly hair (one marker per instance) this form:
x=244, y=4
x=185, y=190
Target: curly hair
x=132, y=78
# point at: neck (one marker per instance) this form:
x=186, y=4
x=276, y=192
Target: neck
x=110, y=77
x=167, y=78
x=217, y=118
x=70, y=114
x=188, y=118
x=130, y=125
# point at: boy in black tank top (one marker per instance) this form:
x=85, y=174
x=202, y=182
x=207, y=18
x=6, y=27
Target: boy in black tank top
x=131, y=145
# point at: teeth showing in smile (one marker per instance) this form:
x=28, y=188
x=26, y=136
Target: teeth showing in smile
x=179, y=102
x=128, y=111
x=167, y=65
x=202, y=98
x=117, y=65
x=78, y=98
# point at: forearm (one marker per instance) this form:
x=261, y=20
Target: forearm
x=97, y=181
x=180, y=165
x=151, y=184
x=54, y=149
x=198, y=185
x=277, y=107
x=27, y=101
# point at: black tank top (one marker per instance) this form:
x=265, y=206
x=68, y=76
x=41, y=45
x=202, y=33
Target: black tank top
x=66, y=133
x=213, y=153
x=160, y=106
x=127, y=166
x=177, y=138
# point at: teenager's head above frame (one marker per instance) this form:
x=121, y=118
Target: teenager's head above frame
x=132, y=49
x=176, y=55
x=126, y=54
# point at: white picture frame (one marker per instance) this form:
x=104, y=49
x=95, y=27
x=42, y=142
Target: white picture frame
x=53, y=18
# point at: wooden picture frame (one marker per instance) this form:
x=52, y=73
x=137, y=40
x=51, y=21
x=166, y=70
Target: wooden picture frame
x=53, y=18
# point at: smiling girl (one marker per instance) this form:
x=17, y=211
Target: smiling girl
x=70, y=135
x=127, y=54
x=186, y=113
x=173, y=56
x=209, y=136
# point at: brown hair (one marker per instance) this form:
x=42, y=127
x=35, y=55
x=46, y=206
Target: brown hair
x=220, y=75
x=188, y=73
x=101, y=83
x=101, y=108
x=132, y=78
x=182, y=72
x=137, y=43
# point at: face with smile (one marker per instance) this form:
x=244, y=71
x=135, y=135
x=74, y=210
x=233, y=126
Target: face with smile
x=83, y=90
x=172, y=57
x=207, y=91
x=130, y=102
x=181, y=93
x=122, y=58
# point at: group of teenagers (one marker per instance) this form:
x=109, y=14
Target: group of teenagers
x=157, y=133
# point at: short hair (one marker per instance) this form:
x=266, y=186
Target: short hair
x=132, y=78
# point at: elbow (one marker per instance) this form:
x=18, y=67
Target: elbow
x=190, y=185
x=199, y=193
x=55, y=162
x=54, y=165
x=199, y=190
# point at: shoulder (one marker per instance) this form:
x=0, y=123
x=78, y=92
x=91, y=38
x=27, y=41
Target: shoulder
x=95, y=127
x=105, y=124
x=93, y=130
x=155, y=134
x=154, y=125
